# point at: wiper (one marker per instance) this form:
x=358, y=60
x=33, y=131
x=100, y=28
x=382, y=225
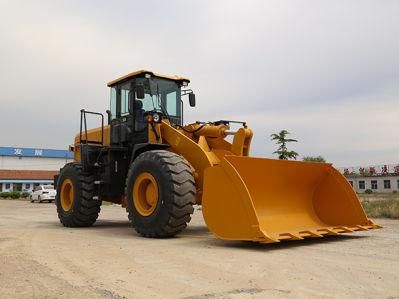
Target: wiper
x=163, y=109
x=150, y=85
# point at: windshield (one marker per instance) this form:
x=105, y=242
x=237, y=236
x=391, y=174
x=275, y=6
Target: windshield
x=48, y=187
x=161, y=95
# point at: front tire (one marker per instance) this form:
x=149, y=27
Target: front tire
x=160, y=192
x=75, y=204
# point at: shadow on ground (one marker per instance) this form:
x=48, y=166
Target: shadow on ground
x=196, y=235
x=248, y=245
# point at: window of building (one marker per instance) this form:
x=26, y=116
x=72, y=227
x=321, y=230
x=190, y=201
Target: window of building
x=17, y=187
x=1, y=187
x=362, y=185
x=398, y=184
x=27, y=186
x=8, y=186
x=374, y=185
x=387, y=184
x=351, y=182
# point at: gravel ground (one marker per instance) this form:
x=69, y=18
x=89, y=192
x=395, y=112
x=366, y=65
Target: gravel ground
x=41, y=259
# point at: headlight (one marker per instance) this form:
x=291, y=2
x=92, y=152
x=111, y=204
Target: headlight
x=156, y=117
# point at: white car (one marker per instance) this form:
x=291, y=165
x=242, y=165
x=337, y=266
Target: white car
x=43, y=192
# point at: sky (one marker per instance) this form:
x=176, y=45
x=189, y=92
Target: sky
x=326, y=71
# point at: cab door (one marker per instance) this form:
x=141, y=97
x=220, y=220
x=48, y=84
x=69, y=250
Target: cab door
x=128, y=126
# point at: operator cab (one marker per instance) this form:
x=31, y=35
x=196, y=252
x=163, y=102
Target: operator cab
x=141, y=95
x=144, y=92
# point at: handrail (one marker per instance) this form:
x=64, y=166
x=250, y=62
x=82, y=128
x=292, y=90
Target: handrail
x=83, y=119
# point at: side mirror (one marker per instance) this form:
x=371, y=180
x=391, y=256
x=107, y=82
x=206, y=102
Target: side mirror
x=191, y=99
x=109, y=116
x=140, y=92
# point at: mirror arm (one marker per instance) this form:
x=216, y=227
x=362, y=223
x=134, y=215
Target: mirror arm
x=186, y=91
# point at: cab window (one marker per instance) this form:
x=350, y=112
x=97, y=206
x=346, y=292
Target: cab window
x=125, y=90
x=162, y=95
x=171, y=103
x=123, y=99
x=151, y=103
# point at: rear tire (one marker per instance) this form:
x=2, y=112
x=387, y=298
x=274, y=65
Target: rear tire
x=75, y=204
x=174, y=189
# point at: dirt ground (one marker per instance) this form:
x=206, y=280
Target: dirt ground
x=41, y=259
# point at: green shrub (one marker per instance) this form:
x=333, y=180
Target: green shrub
x=314, y=159
x=15, y=194
x=368, y=191
x=4, y=194
x=25, y=194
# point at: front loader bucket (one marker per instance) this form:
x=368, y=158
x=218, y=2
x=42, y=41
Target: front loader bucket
x=266, y=200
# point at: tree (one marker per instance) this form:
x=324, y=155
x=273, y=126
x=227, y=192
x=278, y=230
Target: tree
x=314, y=159
x=282, y=140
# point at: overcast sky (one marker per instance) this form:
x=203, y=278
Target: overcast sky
x=327, y=71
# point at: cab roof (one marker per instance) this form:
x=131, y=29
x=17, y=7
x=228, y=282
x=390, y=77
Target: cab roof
x=142, y=73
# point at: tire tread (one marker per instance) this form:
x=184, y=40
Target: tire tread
x=182, y=191
x=88, y=209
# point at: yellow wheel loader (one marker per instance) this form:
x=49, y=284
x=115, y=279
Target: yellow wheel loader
x=157, y=167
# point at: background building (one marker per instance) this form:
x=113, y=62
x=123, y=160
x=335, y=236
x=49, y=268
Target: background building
x=378, y=178
x=23, y=168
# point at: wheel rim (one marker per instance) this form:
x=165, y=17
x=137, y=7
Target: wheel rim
x=67, y=195
x=145, y=194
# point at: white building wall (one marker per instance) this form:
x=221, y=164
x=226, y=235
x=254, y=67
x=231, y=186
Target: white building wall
x=394, y=179
x=32, y=163
x=8, y=187
x=30, y=159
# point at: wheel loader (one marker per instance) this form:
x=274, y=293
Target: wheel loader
x=147, y=160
